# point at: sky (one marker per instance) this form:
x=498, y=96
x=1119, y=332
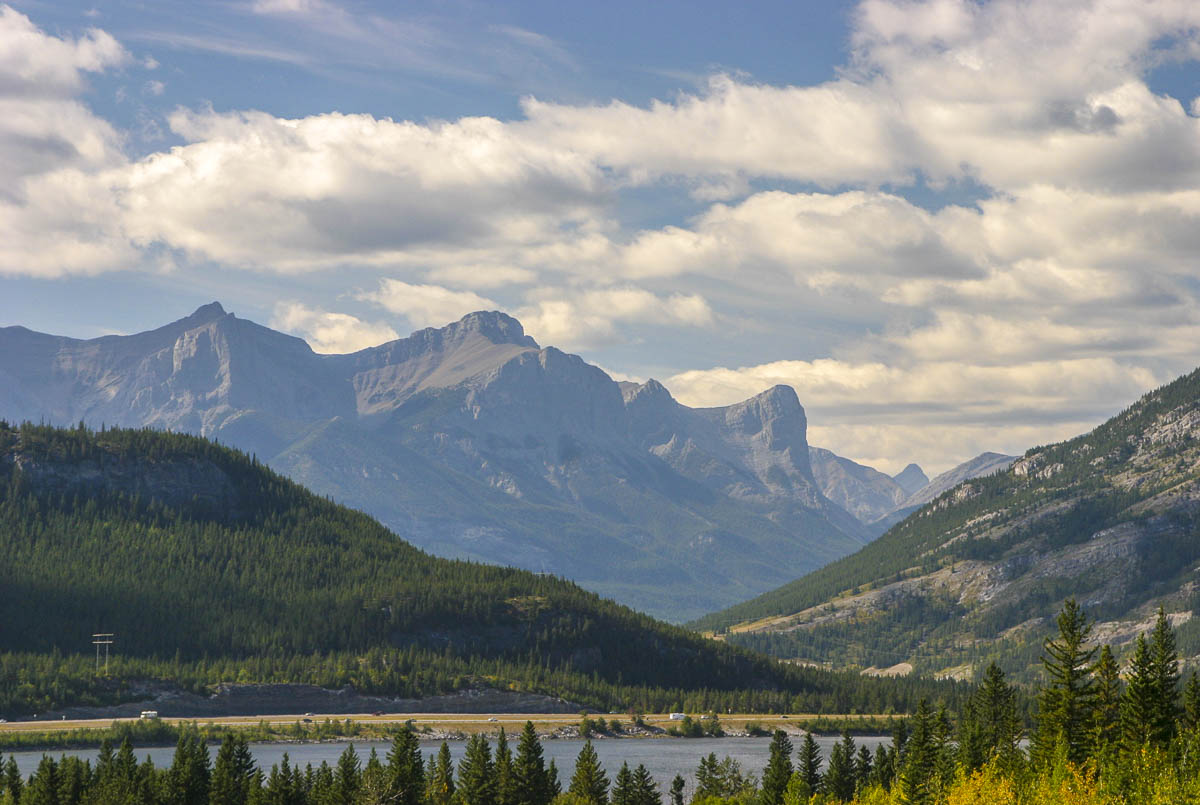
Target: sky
x=952, y=226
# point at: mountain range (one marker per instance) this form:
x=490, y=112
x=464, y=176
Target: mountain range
x=1111, y=518
x=473, y=441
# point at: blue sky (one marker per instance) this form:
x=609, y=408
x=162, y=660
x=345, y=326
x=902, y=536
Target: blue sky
x=952, y=226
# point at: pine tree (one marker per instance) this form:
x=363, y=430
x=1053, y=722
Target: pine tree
x=1107, y=717
x=506, y=782
x=405, y=770
x=552, y=779
x=476, y=774
x=778, y=771
x=863, y=767
x=1191, y=702
x=232, y=772
x=645, y=790
x=14, y=784
x=374, y=787
x=347, y=777
x=1139, y=705
x=43, y=785
x=622, y=790
x=677, y=786
x=440, y=788
x=1165, y=662
x=589, y=780
x=839, y=779
x=918, y=767
x=810, y=763
x=708, y=778
x=1067, y=701
x=990, y=724
x=529, y=770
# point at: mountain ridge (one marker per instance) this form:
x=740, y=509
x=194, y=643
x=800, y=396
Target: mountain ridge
x=476, y=442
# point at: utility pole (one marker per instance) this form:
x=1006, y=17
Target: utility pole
x=98, y=640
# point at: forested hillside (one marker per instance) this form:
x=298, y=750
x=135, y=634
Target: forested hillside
x=209, y=567
x=1110, y=517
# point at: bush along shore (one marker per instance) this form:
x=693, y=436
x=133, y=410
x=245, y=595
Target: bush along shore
x=1096, y=738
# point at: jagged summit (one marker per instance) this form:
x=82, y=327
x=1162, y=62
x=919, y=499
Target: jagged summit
x=911, y=478
x=473, y=441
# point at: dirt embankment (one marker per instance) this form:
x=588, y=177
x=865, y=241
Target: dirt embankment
x=251, y=700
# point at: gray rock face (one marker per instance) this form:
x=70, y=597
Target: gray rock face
x=978, y=467
x=864, y=492
x=911, y=478
x=473, y=441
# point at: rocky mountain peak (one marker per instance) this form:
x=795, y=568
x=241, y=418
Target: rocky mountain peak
x=911, y=478
x=497, y=327
x=206, y=313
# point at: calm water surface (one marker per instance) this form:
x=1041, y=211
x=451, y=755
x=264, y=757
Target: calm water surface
x=663, y=757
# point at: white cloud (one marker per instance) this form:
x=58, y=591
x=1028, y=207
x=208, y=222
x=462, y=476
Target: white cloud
x=153, y=88
x=426, y=305
x=575, y=319
x=331, y=333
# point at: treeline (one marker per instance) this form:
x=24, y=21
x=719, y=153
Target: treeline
x=211, y=568
x=1081, y=487
x=1097, y=739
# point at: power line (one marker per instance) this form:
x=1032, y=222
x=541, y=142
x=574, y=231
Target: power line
x=102, y=639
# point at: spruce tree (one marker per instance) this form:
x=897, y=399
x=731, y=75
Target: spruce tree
x=1165, y=659
x=232, y=772
x=1107, y=718
x=552, y=779
x=778, y=771
x=14, y=784
x=1139, y=705
x=990, y=725
x=440, y=786
x=708, y=777
x=863, y=766
x=43, y=785
x=810, y=763
x=405, y=770
x=375, y=783
x=839, y=781
x=476, y=774
x=1067, y=701
x=589, y=780
x=506, y=782
x=347, y=777
x=677, y=786
x=645, y=790
x=919, y=764
x=529, y=770
x=1191, y=702
x=622, y=790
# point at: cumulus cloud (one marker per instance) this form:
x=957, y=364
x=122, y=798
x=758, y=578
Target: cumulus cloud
x=592, y=317
x=331, y=333
x=426, y=305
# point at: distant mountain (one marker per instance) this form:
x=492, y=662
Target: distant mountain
x=472, y=441
x=911, y=478
x=864, y=492
x=977, y=573
x=211, y=568
x=982, y=465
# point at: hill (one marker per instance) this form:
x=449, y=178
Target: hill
x=1109, y=517
x=211, y=568
x=474, y=442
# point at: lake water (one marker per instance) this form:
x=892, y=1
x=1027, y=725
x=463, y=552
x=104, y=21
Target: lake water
x=663, y=757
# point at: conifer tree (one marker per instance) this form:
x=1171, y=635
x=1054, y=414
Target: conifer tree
x=990, y=725
x=374, y=787
x=43, y=785
x=552, y=779
x=918, y=768
x=1067, y=701
x=708, y=779
x=622, y=790
x=1108, y=700
x=529, y=770
x=863, y=767
x=778, y=771
x=14, y=784
x=476, y=773
x=506, y=783
x=839, y=780
x=347, y=777
x=324, y=788
x=1139, y=705
x=232, y=772
x=405, y=769
x=589, y=780
x=645, y=790
x=677, y=786
x=1165, y=658
x=440, y=788
x=810, y=763
x=1191, y=702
